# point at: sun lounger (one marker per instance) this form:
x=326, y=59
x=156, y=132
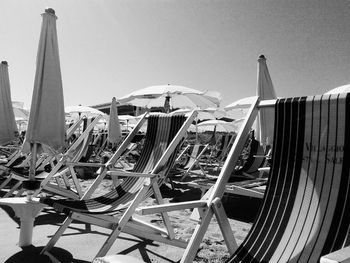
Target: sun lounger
x=59, y=179
x=164, y=134
x=193, y=155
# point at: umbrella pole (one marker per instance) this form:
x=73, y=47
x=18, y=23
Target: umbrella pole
x=30, y=184
x=196, y=130
x=33, y=150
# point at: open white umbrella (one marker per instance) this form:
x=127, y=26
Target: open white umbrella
x=46, y=126
x=217, y=125
x=8, y=127
x=21, y=113
x=340, y=89
x=241, y=104
x=266, y=116
x=114, y=131
x=205, y=114
x=77, y=111
x=177, y=96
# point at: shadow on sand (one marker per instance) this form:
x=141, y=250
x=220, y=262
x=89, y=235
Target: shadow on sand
x=31, y=254
x=241, y=208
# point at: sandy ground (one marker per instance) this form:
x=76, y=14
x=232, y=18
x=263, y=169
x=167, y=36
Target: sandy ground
x=81, y=245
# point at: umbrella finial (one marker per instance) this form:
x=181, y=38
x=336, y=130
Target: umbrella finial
x=4, y=62
x=262, y=57
x=49, y=10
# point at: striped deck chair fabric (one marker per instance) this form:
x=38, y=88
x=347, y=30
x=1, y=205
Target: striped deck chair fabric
x=160, y=132
x=306, y=209
x=164, y=132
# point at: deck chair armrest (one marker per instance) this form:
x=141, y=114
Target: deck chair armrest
x=339, y=256
x=171, y=207
x=85, y=164
x=124, y=173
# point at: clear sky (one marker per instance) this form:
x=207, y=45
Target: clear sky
x=110, y=48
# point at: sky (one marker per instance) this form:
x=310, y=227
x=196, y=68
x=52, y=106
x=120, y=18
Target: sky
x=109, y=48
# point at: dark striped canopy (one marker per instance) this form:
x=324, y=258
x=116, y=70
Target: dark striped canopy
x=306, y=209
x=161, y=130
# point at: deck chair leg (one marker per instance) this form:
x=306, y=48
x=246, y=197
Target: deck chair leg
x=13, y=189
x=76, y=182
x=57, y=235
x=224, y=225
x=94, y=184
x=165, y=216
x=197, y=237
x=7, y=180
x=123, y=221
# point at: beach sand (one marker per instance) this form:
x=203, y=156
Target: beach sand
x=78, y=245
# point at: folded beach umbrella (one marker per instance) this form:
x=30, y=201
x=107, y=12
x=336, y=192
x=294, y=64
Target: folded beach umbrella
x=266, y=91
x=114, y=131
x=8, y=127
x=46, y=126
x=177, y=96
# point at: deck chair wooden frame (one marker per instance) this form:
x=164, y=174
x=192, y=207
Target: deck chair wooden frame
x=305, y=212
x=59, y=172
x=194, y=158
x=169, y=132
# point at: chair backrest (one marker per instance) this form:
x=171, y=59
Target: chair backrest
x=306, y=209
x=255, y=158
x=161, y=131
x=195, y=152
x=224, y=145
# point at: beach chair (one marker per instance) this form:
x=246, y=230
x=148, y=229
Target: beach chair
x=246, y=179
x=219, y=153
x=305, y=210
x=193, y=155
x=252, y=160
x=164, y=134
x=59, y=179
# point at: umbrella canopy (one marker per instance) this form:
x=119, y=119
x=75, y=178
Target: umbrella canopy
x=77, y=111
x=8, y=127
x=114, y=131
x=46, y=126
x=340, y=89
x=240, y=104
x=21, y=113
x=206, y=114
x=217, y=125
x=266, y=116
x=178, y=97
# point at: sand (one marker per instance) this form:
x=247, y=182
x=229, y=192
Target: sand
x=81, y=247
x=240, y=210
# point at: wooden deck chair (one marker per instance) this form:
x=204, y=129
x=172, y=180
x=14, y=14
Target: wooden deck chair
x=195, y=152
x=252, y=161
x=219, y=152
x=164, y=134
x=56, y=181
x=305, y=211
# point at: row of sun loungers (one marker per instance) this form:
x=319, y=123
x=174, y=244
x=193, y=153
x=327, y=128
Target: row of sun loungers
x=305, y=195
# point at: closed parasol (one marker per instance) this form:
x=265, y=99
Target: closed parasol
x=8, y=127
x=46, y=126
x=266, y=91
x=114, y=131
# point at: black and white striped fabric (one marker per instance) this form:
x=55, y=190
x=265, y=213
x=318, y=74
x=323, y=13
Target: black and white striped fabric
x=306, y=209
x=161, y=130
